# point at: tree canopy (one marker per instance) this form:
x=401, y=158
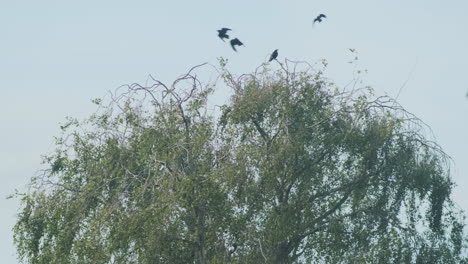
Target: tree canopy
x=291, y=169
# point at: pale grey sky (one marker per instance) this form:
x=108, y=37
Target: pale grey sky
x=57, y=55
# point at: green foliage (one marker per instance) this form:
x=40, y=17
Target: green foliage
x=290, y=172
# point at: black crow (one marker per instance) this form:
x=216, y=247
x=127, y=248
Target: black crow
x=235, y=42
x=319, y=18
x=274, y=55
x=222, y=33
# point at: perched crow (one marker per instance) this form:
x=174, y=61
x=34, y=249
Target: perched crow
x=274, y=55
x=319, y=18
x=235, y=42
x=222, y=33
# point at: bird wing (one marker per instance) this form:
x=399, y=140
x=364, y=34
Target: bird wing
x=225, y=29
x=233, y=47
x=322, y=15
x=274, y=55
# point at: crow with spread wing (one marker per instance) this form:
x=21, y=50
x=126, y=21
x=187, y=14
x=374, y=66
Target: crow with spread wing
x=319, y=18
x=236, y=42
x=222, y=33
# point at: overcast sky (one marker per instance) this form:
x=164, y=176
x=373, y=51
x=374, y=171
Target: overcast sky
x=55, y=56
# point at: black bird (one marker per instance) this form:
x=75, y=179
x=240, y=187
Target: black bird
x=222, y=33
x=274, y=55
x=235, y=42
x=319, y=18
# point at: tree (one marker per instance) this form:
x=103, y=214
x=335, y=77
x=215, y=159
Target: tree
x=290, y=170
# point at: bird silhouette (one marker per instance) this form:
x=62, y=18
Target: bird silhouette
x=319, y=18
x=236, y=42
x=274, y=55
x=222, y=33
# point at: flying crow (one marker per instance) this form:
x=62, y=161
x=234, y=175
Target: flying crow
x=222, y=33
x=319, y=18
x=235, y=42
x=274, y=55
